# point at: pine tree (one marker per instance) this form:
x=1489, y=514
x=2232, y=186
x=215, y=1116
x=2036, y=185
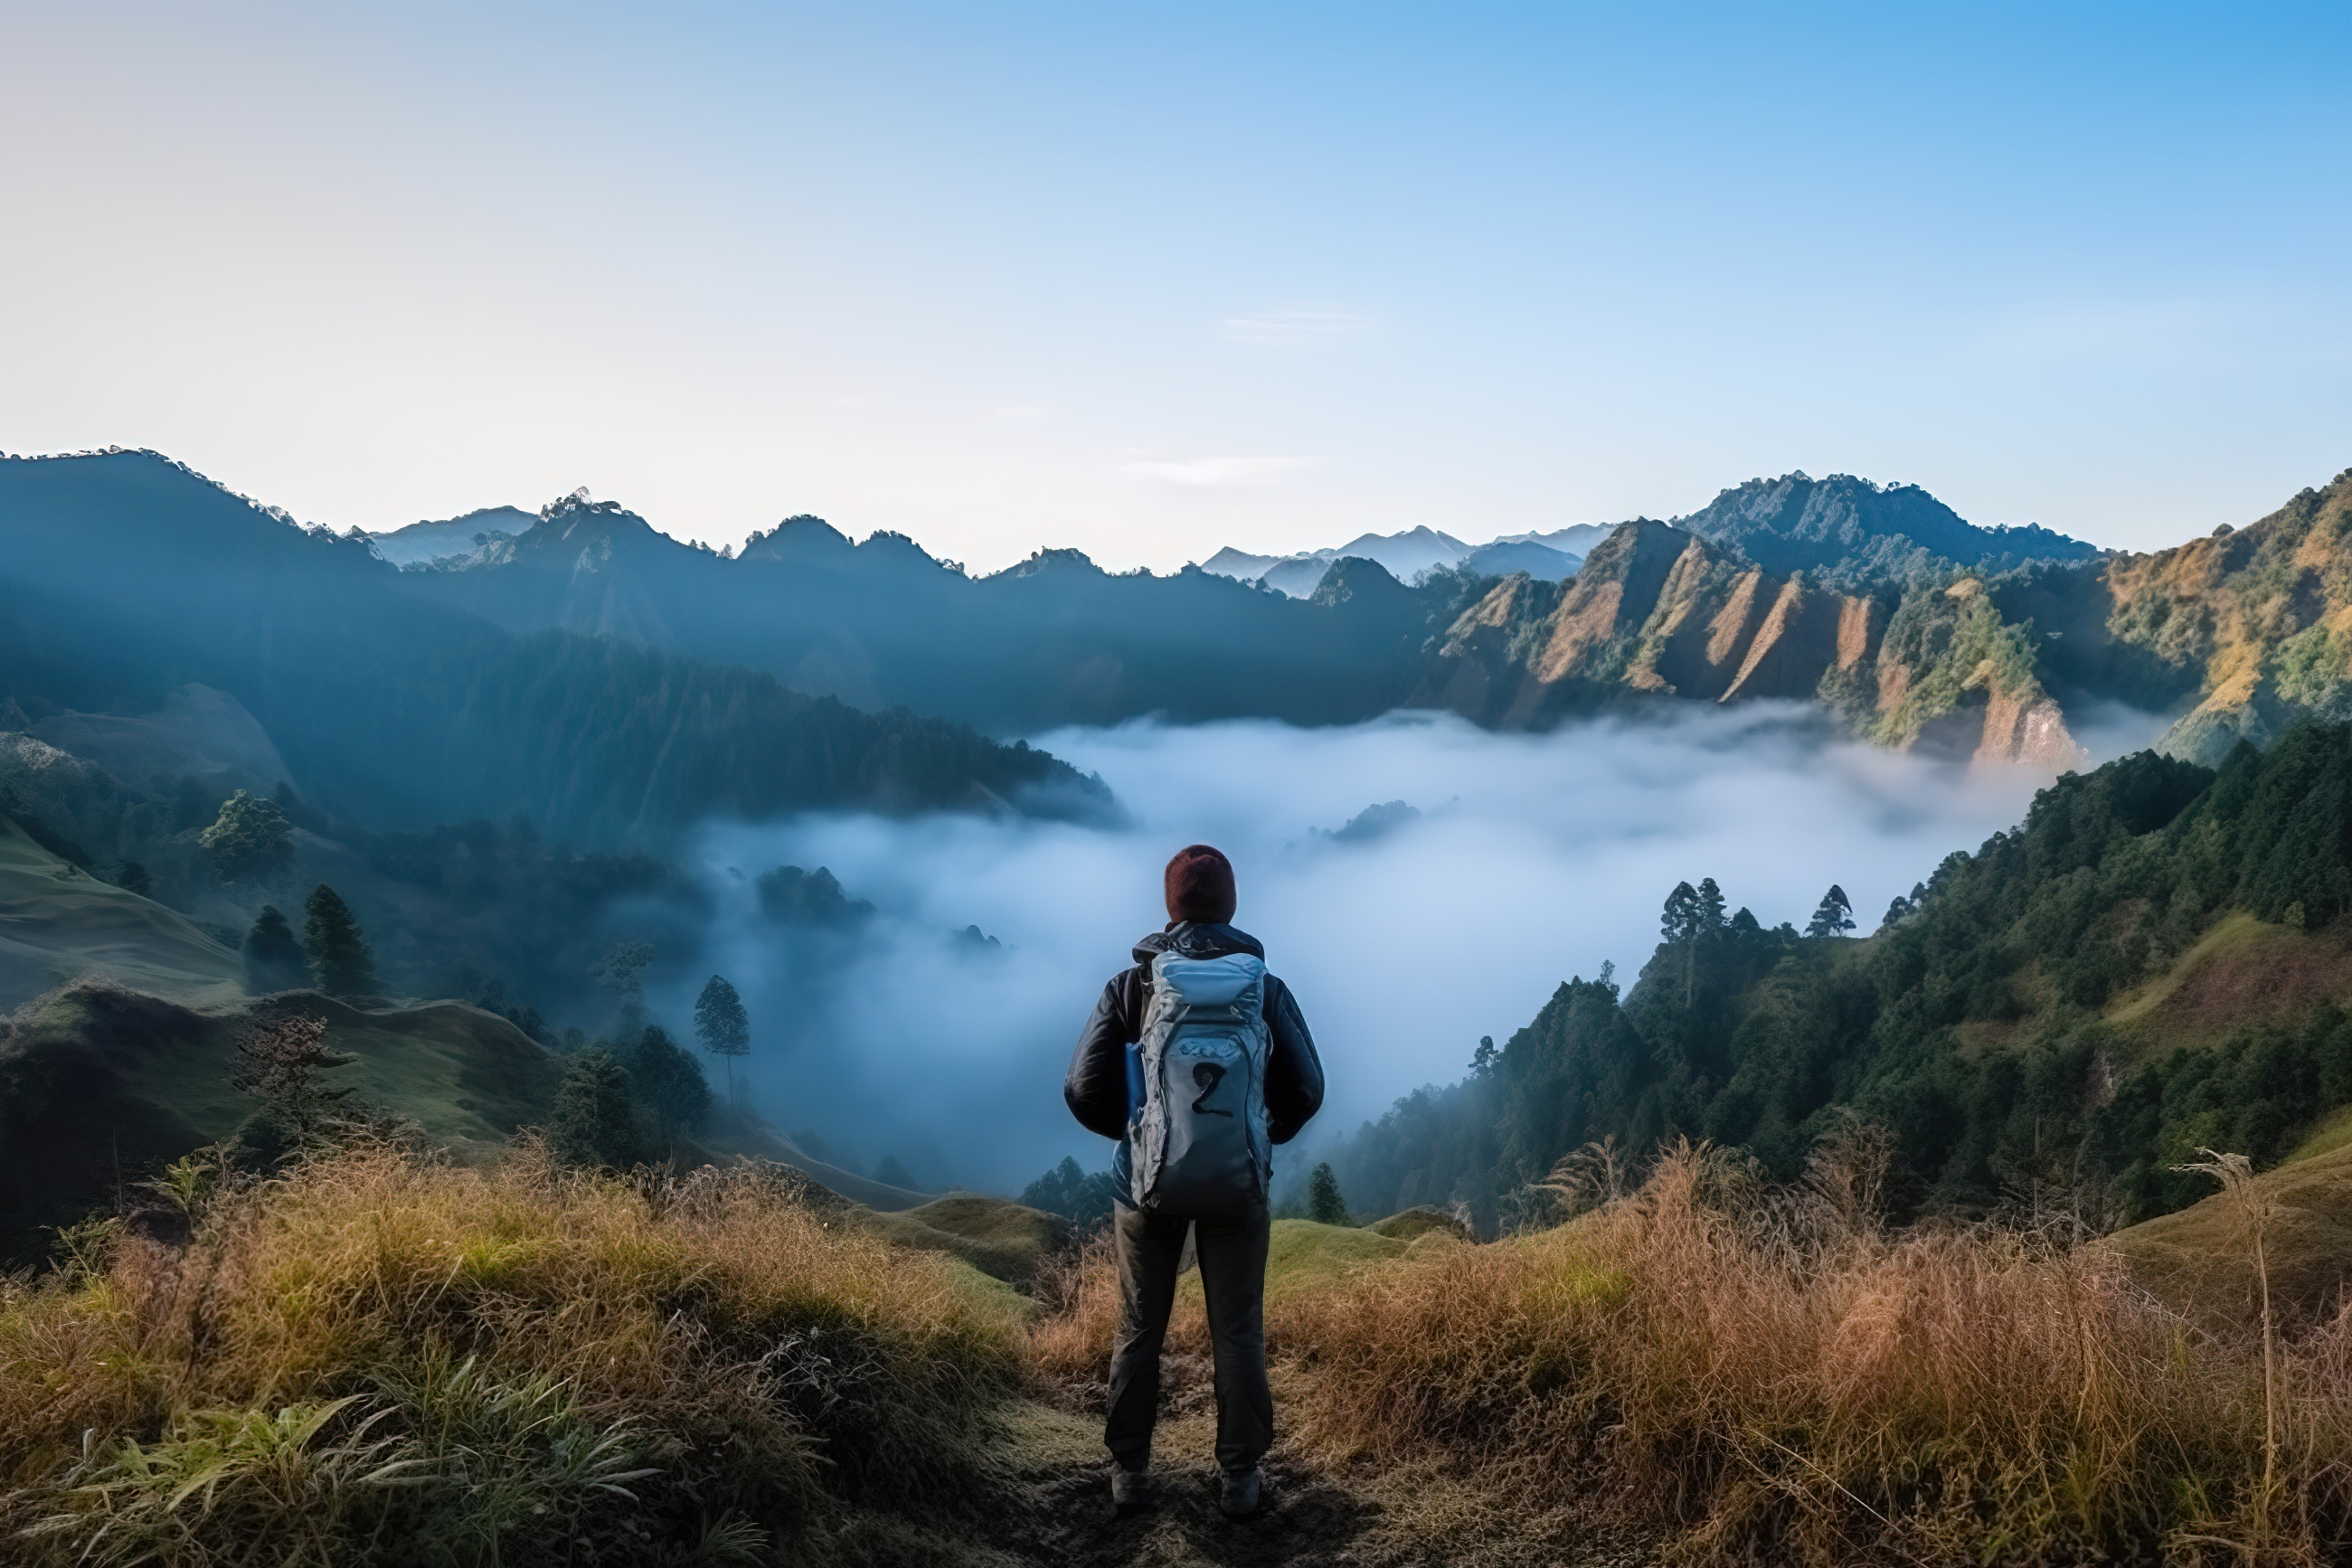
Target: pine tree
x=1324, y=1204
x=593, y=1123
x=1684, y=921
x=667, y=1081
x=340, y=962
x=250, y=840
x=1084, y=1199
x=622, y=973
x=283, y=1060
x=1679, y=923
x=273, y=959
x=1483, y=1059
x=722, y=1025
x=1836, y=915
x=1710, y=907
x=134, y=878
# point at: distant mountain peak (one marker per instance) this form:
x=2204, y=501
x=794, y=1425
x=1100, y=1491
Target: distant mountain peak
x=1853, y=529
x=1049, y=561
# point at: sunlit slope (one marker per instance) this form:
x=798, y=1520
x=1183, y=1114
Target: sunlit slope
x=2201, y=1258
x=58, y=924
x=2243, y=973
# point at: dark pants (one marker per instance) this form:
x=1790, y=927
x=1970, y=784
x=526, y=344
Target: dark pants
x=1232, y=1277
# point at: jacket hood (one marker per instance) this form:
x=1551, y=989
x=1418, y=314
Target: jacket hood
x=1198, y=938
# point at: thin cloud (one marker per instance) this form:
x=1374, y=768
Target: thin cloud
x=1292, y=327
x=1020, y=412
x=1220, y=473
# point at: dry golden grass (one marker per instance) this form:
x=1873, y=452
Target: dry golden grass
x=1774, y=1375
x=380, y=1358
x=533, y=1360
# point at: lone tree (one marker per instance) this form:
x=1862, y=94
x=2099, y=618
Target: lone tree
x=593, y=1123
x=722, y=1025
x=622, y=973
x=1835, y=916
x=284, y=1059
x=250, y=841
x=273, y=959
x=1691, y=913
x=1324, y=1204
x=340, y=960
x=134, y=878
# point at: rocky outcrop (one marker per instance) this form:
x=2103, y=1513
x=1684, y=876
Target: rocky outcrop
x=1660, y=613
x=2252, y=626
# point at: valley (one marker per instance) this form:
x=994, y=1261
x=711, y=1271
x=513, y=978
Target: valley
x=521, y=810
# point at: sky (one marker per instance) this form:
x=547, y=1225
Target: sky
x=1149, y=280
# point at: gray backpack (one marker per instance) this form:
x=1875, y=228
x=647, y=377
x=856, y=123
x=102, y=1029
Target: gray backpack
x=1198, y=1143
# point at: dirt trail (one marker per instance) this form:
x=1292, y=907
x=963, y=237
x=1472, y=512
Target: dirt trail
x=1313, y=1519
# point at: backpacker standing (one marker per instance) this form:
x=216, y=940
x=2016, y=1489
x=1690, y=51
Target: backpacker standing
x=1198, y=1062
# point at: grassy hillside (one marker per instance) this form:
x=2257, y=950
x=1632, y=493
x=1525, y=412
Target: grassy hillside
x=58, y=923
x=100, y=1086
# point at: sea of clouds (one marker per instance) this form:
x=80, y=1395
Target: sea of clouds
x=1522, y=860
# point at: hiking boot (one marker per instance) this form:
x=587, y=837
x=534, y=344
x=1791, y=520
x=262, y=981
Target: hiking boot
x=1129, y=1489
x=1237, y=1498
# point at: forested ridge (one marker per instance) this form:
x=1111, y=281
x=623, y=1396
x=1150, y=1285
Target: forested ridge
x=123, y=577
x=1992, y=1025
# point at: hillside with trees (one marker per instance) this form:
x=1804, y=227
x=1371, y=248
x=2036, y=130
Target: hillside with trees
x=2153, y=961
x=125, y=580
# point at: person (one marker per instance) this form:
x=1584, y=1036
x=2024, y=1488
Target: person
x=1198, y=1012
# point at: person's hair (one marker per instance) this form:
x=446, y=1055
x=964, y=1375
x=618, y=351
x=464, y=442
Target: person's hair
x=1200, y=886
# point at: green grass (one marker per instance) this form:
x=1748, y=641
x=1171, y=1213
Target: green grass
x=1002, y=1239
x=100, y=1086
x=2195, y=1261
x=1410, y=1225
x=57, y=924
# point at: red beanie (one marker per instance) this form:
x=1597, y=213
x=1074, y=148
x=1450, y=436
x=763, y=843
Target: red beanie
x=1200, y=886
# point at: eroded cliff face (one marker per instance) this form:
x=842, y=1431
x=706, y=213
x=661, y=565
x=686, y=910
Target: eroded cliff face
x=2253, y=626
x=1657, y=612
x=2237, y=635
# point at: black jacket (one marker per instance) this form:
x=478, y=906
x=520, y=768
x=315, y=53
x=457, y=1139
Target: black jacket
x=1097, y=1088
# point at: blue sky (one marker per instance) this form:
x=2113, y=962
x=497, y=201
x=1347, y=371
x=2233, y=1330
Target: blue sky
x=1149, y=280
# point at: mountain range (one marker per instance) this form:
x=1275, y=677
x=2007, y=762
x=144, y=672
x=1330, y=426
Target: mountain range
x=2235, y=634
x=1409, y=555
x=126, y=579
x=1915, y=627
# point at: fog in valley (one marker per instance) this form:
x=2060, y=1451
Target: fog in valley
x=935, y=1025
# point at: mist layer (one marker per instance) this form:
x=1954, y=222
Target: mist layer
x=1420, y=882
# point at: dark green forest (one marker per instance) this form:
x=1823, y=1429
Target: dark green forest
x=1977, y=1025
